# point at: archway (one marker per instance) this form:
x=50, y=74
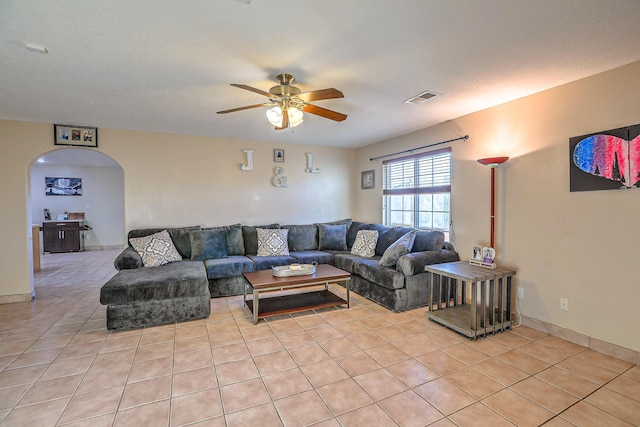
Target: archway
x=101, y=198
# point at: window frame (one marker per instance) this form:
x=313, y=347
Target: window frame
x=416, y=190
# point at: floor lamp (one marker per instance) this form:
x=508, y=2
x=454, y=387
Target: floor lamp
x=493, y=162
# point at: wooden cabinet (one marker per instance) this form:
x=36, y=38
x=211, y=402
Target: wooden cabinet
x=62, y=236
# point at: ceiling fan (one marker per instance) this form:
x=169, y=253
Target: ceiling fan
x=288, y=103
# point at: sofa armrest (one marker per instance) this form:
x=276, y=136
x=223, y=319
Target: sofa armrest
x=128, y=259
x=415, y=262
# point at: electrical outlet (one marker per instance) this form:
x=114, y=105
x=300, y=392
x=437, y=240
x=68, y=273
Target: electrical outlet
x=520, y=292
x=564, y=304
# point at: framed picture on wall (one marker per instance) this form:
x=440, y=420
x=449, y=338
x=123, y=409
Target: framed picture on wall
x=80, y=136
x=367, y=179
x=278, y=155
x=54, y=186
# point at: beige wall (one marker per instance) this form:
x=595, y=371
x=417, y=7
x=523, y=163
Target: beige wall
x=581, y=246
x=173, y=180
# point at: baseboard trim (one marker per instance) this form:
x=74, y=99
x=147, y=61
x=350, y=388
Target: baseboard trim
x=600, y=346
x=9, y=299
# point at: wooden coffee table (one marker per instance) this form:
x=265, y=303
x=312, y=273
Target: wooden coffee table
x=258, y=282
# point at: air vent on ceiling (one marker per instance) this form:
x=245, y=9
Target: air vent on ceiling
x=421, y=97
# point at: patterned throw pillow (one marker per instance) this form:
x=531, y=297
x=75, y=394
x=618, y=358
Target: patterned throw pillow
x=272, y=242
x=156, y=249
x=365, y=243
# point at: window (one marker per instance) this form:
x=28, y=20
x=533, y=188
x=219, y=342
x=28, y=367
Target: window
x=417, y=191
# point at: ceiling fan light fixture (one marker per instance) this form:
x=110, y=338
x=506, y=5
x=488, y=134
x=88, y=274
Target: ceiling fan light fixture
x=295, y=116
x=274, y=116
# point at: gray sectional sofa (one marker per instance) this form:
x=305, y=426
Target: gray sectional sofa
x=144, y=296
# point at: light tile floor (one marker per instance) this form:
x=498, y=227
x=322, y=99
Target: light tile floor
x=364, y=366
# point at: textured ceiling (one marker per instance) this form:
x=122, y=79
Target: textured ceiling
x=166, y=65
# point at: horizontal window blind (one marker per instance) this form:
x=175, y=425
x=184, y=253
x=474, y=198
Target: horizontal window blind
x=418, y=174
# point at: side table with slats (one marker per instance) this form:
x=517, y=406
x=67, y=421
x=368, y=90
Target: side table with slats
x=485, y=310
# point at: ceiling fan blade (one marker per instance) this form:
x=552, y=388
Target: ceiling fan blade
x=252, y=89
x=323, y=112
x=243, y=108
x=316, y=95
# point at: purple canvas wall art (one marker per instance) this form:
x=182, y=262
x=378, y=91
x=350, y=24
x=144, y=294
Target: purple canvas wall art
x=605, y=160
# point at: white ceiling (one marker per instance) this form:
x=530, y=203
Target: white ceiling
x=166, y=65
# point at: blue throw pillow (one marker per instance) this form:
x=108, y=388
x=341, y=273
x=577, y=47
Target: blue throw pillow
x=400, y=247
x=208, y=244
x=332, y=237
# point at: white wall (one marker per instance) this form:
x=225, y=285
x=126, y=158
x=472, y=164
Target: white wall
x=581, y=246
x=102, y=201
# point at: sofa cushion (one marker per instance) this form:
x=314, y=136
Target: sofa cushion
x=173, y=280
x=128, y=258
x=233, y=236
x=308, y=257
x=401, y=231
x=346, y=261
x=208, y=244
x=371, y=270
x=332, y=237
x=250, y=236
x=428, y=241
x=233, y=265
x=302, y=237
x=400, y=247
x=386, y=236
x=266, y=262
x=235, y=241
x=179, y=236
x=346, y=222
x=272, y=242
x=365, y=243
x=156, y=249
x=415, y=262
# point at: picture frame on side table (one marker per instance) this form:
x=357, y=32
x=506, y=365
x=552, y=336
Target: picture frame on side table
x=278, y=155
x=79, y=136
x=367, y=180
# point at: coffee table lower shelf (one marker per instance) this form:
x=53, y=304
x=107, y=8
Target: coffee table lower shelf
x=286, y=304
x=459, y=318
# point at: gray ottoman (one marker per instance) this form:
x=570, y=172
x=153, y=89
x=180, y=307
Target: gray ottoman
x=151, y=296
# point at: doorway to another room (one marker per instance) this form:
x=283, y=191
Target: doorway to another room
x=76, y=203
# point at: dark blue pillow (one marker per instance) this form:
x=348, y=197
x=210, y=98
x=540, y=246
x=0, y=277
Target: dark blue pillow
x=208, y=244
x=332, y=237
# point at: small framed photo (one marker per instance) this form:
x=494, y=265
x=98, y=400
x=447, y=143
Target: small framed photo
x=477, y=253
x=80, y=136
x=367, y=179
x=278, y=155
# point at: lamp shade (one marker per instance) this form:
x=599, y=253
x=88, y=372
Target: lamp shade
x=274, y=116
x=493, y=161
